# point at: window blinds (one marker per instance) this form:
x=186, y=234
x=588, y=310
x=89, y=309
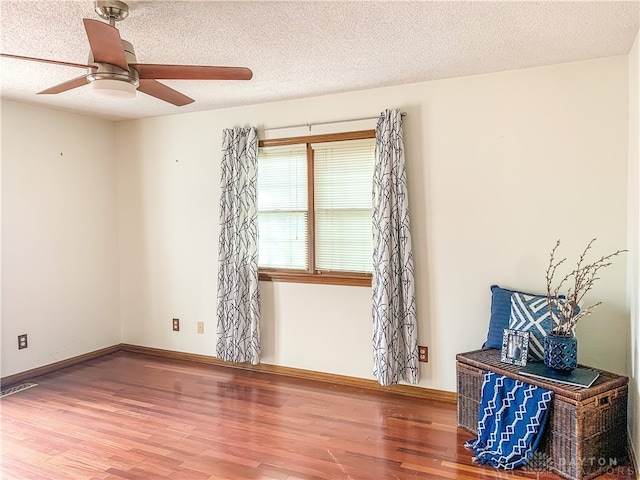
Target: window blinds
x=343, y=175
x=282, y=206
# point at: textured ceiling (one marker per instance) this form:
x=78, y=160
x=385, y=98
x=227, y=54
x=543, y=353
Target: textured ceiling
x=302, y=49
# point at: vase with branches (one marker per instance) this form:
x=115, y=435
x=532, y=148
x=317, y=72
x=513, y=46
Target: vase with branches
x=560, y=345
x=577, y=283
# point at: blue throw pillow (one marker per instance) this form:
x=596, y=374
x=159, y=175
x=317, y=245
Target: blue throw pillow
x=500, y=315
x=530, y=313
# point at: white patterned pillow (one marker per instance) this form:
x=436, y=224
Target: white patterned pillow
x=530, y=313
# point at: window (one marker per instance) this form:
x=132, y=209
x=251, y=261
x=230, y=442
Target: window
x=314, y=208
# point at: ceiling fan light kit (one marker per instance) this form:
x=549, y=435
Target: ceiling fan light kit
x=113, y=88
x=113, y=70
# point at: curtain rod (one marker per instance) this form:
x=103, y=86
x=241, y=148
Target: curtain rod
x=309, y=125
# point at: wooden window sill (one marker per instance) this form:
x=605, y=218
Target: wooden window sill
x=318, y=278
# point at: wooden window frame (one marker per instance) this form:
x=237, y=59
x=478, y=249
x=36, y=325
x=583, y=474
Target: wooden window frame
x=311, y=275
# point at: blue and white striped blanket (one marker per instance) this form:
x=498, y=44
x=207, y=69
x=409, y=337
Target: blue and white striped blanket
x=511, y=421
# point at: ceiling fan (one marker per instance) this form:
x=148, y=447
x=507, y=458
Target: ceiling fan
x=112, y=68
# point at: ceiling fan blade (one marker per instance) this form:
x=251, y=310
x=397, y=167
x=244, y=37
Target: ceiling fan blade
x=63, y=87
x=105, y=42
x=44, y=60
x=161, y=91
x=191, y=72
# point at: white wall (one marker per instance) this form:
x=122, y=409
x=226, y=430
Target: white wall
x=634, y=243
x=59, y=236
x=500, y=166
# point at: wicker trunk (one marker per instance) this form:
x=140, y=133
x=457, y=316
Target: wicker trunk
x=586, y=434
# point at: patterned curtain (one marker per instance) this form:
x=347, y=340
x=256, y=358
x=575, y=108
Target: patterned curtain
x=238, y=296
x=395, y=335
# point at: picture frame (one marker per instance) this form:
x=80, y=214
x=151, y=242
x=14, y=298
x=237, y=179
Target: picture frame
x=515, y=347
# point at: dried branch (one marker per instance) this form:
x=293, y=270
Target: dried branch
x=565, y=314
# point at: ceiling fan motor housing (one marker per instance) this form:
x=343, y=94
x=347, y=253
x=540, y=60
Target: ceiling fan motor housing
x=107, y=71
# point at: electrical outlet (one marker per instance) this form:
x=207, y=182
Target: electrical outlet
x=423, y=354
x=200, y=327
x=176, y=324
x=22, y=341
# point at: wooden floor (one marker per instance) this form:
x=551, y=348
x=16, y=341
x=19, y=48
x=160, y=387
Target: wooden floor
x=131, y=416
